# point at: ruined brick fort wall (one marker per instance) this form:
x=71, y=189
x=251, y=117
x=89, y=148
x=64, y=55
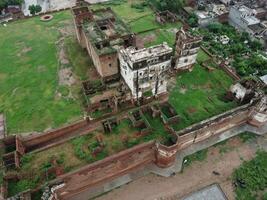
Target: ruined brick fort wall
x=88, y=179
x=128, y=161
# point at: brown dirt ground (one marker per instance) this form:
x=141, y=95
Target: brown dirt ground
x=221, y=158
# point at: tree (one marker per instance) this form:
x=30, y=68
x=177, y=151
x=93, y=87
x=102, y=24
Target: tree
x=2, y=4
x=5, y=3
x=193, y=20
x=38, y=8
x=32, y=9
x=256, y=45
x=171, y=5
x=35, y=9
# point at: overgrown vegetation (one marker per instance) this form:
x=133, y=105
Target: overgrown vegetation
x=250, y=178
x=243, y=52
x=5, y=3
x=199, y=95
x=79, y=59
x=171, y=5
x=247, y=136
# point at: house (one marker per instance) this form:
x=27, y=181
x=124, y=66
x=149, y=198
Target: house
x=186, y=50
x=242, y=18
x=144, y=71
x=102, y=33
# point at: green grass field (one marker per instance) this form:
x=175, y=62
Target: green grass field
x=124, y=9
x=28, y=75
x=199, y=94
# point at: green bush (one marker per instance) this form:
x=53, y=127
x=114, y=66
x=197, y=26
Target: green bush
x=78, y=147
x=251, y=177
x=27, y=158
x=247, y=136
x=198, y=156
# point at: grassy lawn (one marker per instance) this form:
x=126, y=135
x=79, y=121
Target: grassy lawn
x=80, y=61
x=124, y=9
x=199, y=95
x=143, y=24
x=202, y=56
x=164, y=33
x=28, y=75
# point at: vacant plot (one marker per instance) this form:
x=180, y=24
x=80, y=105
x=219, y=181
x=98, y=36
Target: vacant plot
x=29, y=75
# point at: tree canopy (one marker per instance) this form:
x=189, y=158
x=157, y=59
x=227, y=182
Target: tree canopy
x=5, y=3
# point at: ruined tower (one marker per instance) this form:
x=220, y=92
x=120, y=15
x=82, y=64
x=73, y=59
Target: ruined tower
x=186, y=49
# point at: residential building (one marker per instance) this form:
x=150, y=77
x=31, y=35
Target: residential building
x=186, y=50
x=242, y=17
x=144, y=70
x=102, y=33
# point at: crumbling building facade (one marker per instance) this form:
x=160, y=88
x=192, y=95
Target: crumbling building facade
x=102, y=33
x=186, y=50
x=144, y=70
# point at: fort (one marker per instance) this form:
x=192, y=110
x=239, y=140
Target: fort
x=151, y=157
x=133, y=94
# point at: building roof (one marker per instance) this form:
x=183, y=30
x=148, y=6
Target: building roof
x=105, y=30
x=264, y=79
x=135, y=55
x=247, y=14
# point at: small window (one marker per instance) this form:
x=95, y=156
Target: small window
x=151, y=77
x=161, y=82
x=125, y=72
x=186, y=60
x=110, y=65
x=140, y=74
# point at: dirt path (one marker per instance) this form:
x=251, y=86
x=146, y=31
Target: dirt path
x=223, y=159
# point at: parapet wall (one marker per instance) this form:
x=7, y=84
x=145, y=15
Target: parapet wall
x=105, y=170
x=89, y=178
x=33, y=142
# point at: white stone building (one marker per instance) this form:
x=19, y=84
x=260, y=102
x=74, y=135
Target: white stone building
x=186, y=50
x=242, y=17
x=144, y=70
x=47, y=5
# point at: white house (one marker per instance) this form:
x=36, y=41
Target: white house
x=242, y=17
x=144, y=70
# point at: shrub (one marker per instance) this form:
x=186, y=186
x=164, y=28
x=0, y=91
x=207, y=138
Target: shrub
x=251, y=177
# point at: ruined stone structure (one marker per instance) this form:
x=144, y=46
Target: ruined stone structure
x=144, y=70
x=102, y=33
x=153, y=156
x=186, y=49
x=156, y=157
x=166, y=16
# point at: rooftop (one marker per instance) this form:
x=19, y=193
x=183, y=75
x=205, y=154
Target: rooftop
x=105, y=30
x=135, y=55
x=247, y=14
